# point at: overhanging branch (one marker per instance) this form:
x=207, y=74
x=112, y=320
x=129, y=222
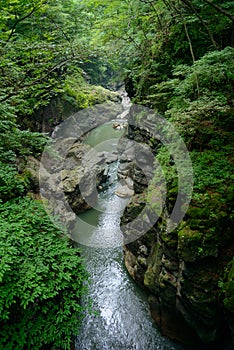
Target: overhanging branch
x=220, y=9
x=35, y=81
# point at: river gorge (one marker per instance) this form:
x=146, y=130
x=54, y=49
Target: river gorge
x=101, y=190
x=122, y=319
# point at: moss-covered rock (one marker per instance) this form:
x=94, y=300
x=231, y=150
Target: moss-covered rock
x=192, y=245
x=184, y=269
x=154, y=268
x=77, y=94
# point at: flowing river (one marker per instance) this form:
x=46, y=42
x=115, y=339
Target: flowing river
x=122, y=319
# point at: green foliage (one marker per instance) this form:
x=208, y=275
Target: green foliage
x=15, y=146
x=39, y=46
x=177, y=56
x=198, y=100
x=83, y=95
x=213, y=170
x=15, y=142
x=198, y=105
x=41, y=280
x=12, y=184
x=152, y=37
x=204, y=118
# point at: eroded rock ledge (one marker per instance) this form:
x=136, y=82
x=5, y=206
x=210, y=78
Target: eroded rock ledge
x=72, y=173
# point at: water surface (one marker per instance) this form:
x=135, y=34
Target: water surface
x=122, y=320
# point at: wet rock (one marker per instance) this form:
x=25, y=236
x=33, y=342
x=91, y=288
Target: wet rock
x=119, y=126
x=130, y=262
x=173, y=325
x=124, y=170
x=77, y=179
x=71, y=178
x=142, y=262
x=191, y=245
x=124, y=191
x=110, y=157
x=128, y=155
x=143, y=250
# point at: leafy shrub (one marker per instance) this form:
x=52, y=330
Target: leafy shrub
x=15, y=146
x=199, y=106
x=12, y=184
x=41, y=280
x=15, y=142
x=83, y=95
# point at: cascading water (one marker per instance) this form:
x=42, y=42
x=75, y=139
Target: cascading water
x=122, y=319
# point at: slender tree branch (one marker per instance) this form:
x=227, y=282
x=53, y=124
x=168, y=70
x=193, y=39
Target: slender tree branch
x=21, y=19
x=178, y=11
x=155, y=10
x=190, y=5
x=220, y=10
x=13, y=29
x=192, y=54
x=189, y=41
x=34, y=82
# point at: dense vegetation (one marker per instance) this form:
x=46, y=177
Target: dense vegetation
x=175, y=57
x=42, y=277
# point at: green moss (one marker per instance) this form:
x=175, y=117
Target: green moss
x=154, y=267
x=189, y=242
x=83, y=95
x=194, y=245
x=155, y=200
x=169, y=239
x=198, y=213
x=199, y=224
x=199, y=296
x=189, y=235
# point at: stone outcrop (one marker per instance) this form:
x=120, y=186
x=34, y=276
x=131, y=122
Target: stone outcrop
x=70, y=174
x=181, y=270
x=62, y=107
x=74, y=187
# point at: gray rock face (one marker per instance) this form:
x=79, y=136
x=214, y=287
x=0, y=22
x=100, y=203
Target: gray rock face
x=60, y=108
x=125, y=189
x=72, y=186
x=136, y=160
x=180, y=269
x=82, y=174
x=71, y=173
